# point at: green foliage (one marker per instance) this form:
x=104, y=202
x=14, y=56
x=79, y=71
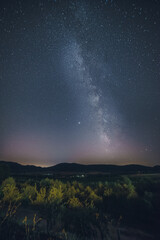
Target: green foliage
x=9, y=181
x=55, y=195
x=91, y=196
x=46, y=183
x=29, y=193
x=108, y=192
x=70, y=192
x=79, y=206
x=41, y=197
x=74, y=203
x=124, y=188
x=10, y=191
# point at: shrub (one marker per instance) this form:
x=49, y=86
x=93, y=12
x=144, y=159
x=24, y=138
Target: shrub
x=29, y=193
x=74, y=203
x=55, y=195
x=10, y=191
x=41, y=197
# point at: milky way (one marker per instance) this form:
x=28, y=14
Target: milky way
x=80, y=81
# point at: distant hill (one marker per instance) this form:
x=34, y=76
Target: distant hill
x=16, y=168
x=103, y=168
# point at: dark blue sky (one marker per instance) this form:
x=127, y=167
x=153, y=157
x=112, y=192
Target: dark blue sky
x=80, y=81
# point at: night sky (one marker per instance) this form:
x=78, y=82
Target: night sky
x=80, y=81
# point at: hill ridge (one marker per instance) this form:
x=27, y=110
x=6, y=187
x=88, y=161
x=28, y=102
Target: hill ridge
x=17, y=168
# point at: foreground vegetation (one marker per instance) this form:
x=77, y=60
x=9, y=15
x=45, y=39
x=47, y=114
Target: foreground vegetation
x=54, y=209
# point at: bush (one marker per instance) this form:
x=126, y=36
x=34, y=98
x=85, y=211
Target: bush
x=29, y=193
x=55, y=195
x=10, y=191
x=74, y=203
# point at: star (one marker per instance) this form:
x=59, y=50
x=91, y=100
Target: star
x=91, y=82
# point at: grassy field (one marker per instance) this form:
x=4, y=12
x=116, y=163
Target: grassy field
x=80, y=207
